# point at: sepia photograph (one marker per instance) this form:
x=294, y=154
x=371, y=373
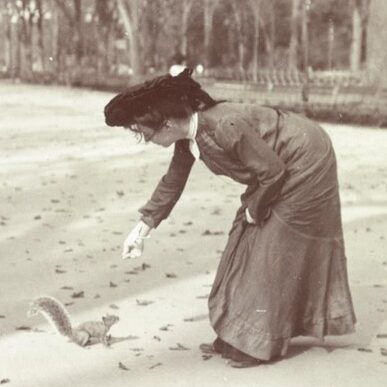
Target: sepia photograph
x=193, y=193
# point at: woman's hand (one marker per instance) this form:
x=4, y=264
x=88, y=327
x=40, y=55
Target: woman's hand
x=134, y=242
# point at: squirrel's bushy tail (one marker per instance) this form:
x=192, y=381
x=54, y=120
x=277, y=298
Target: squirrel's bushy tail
x=54, y=311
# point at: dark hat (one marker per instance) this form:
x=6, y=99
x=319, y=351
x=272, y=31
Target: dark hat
x=139, y=99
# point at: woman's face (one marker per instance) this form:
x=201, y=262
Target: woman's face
x=168, y=133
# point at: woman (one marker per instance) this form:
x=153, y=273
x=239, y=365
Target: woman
x=283, y=272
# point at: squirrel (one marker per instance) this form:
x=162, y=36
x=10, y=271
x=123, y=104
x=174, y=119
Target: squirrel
x=87, y=333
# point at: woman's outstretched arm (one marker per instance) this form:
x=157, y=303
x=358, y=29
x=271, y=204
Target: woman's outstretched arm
x=170, y=187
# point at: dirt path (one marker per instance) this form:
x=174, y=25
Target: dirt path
x=70, y=190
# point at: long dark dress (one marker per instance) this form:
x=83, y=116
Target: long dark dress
x=286, y=275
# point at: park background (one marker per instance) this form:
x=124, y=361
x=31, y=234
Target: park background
x=71, y=186
x=326, y=58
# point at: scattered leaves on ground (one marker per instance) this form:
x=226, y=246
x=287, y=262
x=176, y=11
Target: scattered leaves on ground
x=179, y=347
x=80, y=294
x=166, y=327
x=155, y=365
x=211, y=233
x=137, y=349
x=23, y=328
x=362, y=349
x=122, y=366
x=196, y=318
x=144, y=302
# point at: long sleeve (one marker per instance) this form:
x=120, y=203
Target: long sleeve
x=170, y=187
x=238, y=137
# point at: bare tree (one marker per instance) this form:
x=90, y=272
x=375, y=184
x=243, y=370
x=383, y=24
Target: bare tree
x=293, y=43
x=255, y=8
x=238, y=16
x=209, y=10
x=376, y=45
x=129, y=13
x=356, y=36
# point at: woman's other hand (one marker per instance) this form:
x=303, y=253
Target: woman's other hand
x=134, y=242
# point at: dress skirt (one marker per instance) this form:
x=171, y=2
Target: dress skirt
x=287, y=277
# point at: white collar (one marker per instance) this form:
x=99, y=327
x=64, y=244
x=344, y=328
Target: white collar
x=193, y=129
x=193, y=126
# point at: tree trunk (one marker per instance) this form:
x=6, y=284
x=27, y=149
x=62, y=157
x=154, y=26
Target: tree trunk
x=331, y=40
x=240, y=43
x=255, y=6
x=376, y=45
x=270, y=38
x=305, y=49
x=293, y=43
x=209, y=10
x=357, y=34
x=130, y=20
x=42, y=54
x=187, y=6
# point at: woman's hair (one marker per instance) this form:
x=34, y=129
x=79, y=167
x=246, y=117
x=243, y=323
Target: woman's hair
x=153, y=102
x=163, y=109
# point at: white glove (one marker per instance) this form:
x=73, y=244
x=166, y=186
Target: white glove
x=134, y=242
x=249, y=218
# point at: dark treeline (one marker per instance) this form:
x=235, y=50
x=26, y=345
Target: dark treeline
x=61, y=40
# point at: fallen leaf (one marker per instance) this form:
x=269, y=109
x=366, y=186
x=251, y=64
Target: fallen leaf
x=131, y=272
x=206, y=357
x=157, y=338
x=381, y=336
x=59, y=271
x=361, y=349
x=23, y=328
x=179, y=347
x=80, y=294
x=2, y=316
x=123, y=366
x=210, y=233
x=155, y=365
x=170, y=275
x=113, y=306
x=383, y=351
x=137, y=349
x=144, y=302
x=4, y=381
x=112, y=284
x=200, y=317
x=67, y=288
x=166, y=327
